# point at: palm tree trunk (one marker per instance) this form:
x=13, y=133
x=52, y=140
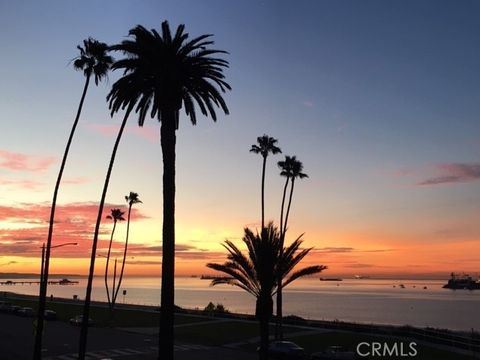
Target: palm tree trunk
x=283, y=205
x=37, y=351
x=110, y=315
x=86, y=308
x=263, y=191
x=168, y=140
x=263, y=353
x=106, y=265
x=288, y=208
x=282, y=237
x=263, y=312
x=124, y=259
x=278, y=327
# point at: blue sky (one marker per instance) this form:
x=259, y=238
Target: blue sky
x=374, y=97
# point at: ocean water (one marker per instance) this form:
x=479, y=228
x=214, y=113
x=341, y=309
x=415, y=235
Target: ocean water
x=362, y=300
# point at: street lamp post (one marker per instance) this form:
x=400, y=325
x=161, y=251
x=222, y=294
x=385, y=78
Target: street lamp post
x=37, y=352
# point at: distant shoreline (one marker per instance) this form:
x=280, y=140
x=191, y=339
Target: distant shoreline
x=440, y=276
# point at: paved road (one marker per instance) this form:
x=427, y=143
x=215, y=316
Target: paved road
x=61, y=343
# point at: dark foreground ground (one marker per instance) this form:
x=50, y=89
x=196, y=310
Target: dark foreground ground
x=134, y=335
x=61, y=343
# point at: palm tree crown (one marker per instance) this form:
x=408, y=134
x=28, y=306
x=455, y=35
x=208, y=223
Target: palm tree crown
x=265, y=145
x=116, y=215
x=132, y=198
x=167, y=72
x=93, y=59
x=286, y=166
x=296, y=169
x=254, y=272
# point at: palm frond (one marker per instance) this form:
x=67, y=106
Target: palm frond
x=311, y=270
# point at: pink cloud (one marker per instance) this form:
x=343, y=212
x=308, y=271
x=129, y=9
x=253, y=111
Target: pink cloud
x=24, y=162
x=74, y=222
x=150, y=133
x=453, y=173
x=22, y=184
x=307, y=103
x=75, y=180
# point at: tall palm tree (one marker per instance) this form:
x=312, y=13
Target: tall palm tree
x=265, y=145
x=82, y=347
x=254, y=272
x=286, y=171
x=115, y=215
x=162, y=74
x=131, y=199
x=93, y=60
x=296, y=169
x=291, y=169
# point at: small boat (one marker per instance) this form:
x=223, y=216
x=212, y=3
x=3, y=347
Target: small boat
x=359, y=277
x=331, y=279
x=402, y=286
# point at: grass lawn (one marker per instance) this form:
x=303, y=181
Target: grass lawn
x=122, y=317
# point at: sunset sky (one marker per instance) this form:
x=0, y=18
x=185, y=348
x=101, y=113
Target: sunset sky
x=379, y=100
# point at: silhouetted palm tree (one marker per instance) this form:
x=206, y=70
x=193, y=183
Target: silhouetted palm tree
x=286, y=171
x=115, y=215
x=258, y=271
x=82, y=347
x=93, y=60
x=131, y=199
x=296, y=169
x=163, y=73
x=254, y=272
x=265, y=145
x=291, y=168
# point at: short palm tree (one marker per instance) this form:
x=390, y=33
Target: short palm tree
x=258, y=271
x=92, y=60
x=254, y=272
x=265, y=145
x=131, y=200
x=291, y=169
x=162, y=74
x=115, y=215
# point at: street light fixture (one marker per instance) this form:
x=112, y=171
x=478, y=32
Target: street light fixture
x=43, y=257
x=42, y=300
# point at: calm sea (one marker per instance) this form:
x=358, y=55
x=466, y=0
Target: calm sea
x=365, y=300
